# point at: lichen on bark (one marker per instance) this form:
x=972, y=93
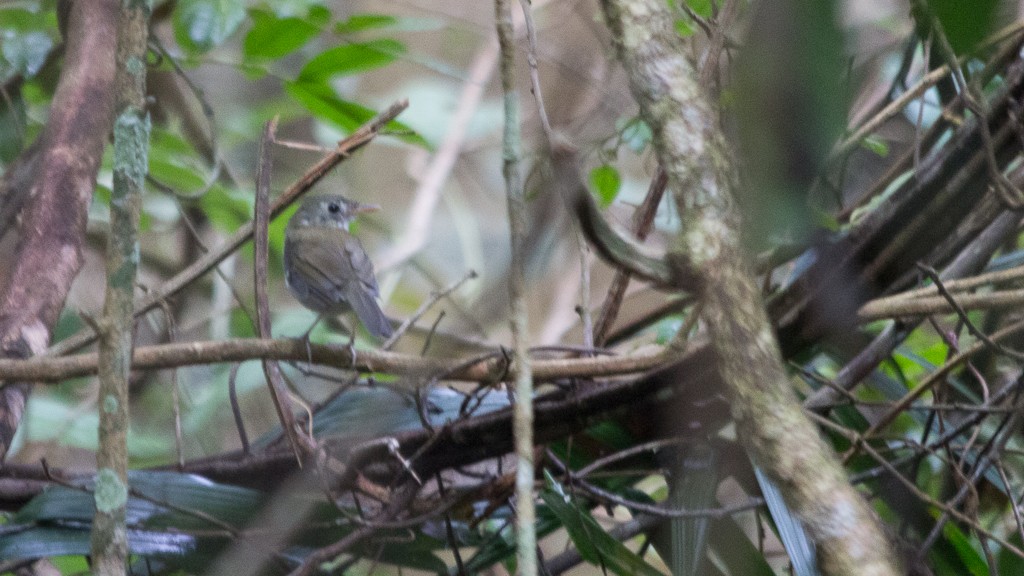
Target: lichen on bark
x=779, y=437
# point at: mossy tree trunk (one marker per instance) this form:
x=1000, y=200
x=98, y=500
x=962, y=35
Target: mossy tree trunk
x=780, y=439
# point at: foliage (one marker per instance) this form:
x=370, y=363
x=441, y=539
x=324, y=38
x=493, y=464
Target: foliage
x=939, y=408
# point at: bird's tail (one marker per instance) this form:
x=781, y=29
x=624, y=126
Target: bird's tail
x=370, y=314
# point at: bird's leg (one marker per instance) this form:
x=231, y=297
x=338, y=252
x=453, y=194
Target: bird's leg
x=352, y=346
x=305, y=338
x=351, y=329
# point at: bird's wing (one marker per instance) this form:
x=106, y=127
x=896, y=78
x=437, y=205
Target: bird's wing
x=340, y=274
x=312, y=274
x=361, y=266
x=363, y=291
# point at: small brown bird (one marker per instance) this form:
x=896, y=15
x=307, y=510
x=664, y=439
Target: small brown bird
x=326, y=268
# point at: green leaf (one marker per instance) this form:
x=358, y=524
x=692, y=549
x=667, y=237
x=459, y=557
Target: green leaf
x=321, y=100
x=360, y=22
x=876, y=145
x=606, y=182
x=226, y=211
x=1010, y=563
x=965, y=24
x=200, y=25
x=273, y=37
x=350, y=59
x=701, y=7
x=178, y=177
x=970, y=557
x=684, y=27
x=593, y=543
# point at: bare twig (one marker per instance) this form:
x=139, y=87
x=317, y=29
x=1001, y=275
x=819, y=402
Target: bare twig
x=526, y=538
x=643, y=221
x=208, y=115
x=434, y=298
x=172, y=336
x=236, y=411
x=658, y=510
x=928, y=383
x=917, y=492
x=278, y=389
x=934, y=276
x=398, y=504
x=927, y=81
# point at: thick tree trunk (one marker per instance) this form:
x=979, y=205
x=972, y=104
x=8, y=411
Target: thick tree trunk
x=49, y=251
x=780, y=438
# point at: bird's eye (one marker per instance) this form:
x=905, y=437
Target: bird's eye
x=333, y=208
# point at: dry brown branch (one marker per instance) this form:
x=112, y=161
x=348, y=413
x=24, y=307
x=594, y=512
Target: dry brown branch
x=161, y=356
x=278, y=389
x=643, y=221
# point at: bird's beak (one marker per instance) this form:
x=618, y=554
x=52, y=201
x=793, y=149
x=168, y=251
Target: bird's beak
x=365, y=208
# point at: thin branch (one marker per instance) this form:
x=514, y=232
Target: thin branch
x=906, y=307
x=46, y=369
x=928, y=383
x=526, y=537
x=427, y=305
x=927, y=81
x=617, y=249
x=172, y=336
x=643, y=221
x=399, y=504
x=109, y=545
x=278, y=389
x=608, y=497
x=208, y=115
x=917, y=492
x=236, y=411
x=974, y=331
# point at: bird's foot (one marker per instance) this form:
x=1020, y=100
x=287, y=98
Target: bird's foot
x=352, y=347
